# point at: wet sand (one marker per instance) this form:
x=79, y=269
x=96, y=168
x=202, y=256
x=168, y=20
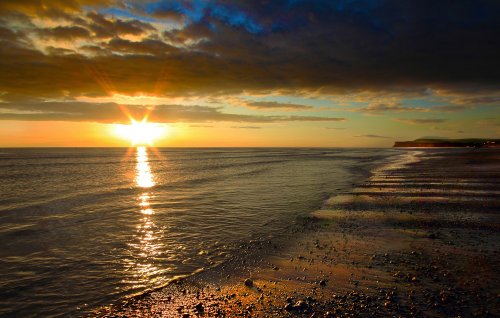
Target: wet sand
x=419, y=238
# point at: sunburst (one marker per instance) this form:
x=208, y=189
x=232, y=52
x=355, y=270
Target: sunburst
x=141, y=132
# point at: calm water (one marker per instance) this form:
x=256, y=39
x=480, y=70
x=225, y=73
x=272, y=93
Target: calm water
x=80, y=228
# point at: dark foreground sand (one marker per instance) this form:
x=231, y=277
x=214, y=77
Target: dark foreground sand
x=420, y=238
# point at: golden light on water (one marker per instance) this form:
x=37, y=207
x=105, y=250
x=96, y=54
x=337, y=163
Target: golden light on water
x=147, y=245
x=141, y=132
x=147, y=242
x=144, y=204
x=144, y=177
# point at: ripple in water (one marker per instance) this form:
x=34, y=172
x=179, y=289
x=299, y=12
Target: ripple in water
x=81, y=228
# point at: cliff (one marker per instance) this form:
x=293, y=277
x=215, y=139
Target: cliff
x=475, y=142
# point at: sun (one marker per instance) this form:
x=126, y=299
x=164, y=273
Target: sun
x=141, y=132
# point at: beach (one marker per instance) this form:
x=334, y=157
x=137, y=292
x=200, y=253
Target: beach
x=419, y=237
x=195, y=158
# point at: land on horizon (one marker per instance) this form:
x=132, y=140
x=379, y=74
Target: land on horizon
x=443, y=142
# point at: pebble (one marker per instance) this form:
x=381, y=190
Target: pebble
x=199, y=307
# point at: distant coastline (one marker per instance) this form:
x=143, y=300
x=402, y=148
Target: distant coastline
x=436, y=143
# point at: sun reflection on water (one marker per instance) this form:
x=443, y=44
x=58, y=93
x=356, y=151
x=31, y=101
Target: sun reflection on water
x=145, y=245
x=144, y=203
x=144, y=178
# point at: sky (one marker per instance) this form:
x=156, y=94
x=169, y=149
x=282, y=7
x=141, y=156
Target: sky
x=291, y=73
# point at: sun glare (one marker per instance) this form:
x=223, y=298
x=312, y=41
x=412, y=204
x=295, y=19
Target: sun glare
x=141, y=132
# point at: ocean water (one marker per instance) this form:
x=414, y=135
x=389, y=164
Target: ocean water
x=85, y=227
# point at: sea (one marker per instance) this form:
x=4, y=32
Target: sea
x=82, y=228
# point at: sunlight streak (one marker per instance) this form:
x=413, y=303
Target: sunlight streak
x=146, y=244
x=144, y=177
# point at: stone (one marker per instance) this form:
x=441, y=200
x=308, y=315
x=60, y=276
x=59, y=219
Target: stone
x=199, y=307
x=248, y=282
x=300, y=305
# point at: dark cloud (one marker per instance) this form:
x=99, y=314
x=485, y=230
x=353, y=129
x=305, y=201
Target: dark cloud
x=193, y=32
x=58, y=51
x=232, y=47
x=422, y=120
x=64, y=32
x=104, y=27
x=169, y=15
x=94, y=50
x=115, y=113
x=52, y=8
x=8, y=35
x=147, y=46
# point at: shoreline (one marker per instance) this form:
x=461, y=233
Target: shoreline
x=375, y=251
x=261, y=246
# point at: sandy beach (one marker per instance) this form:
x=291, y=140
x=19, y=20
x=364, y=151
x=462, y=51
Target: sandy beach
x=420, y=237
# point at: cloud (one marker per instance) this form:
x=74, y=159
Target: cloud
x=380, y=107
x=53, y=8
x=276, y=106
x=450, y=108
x=104, y=27
x=246, y=127
x=58, y=51
x=8, y=35
x=372, y=136
x=397, y=107
x=147, y=46
x=94, y=50
x=311, y=118
x=422, y=120
x=252, y=47
x=64, y=32
x=115, y=113
x=478, y=100
x=191, y=32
